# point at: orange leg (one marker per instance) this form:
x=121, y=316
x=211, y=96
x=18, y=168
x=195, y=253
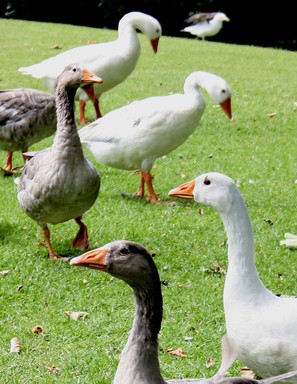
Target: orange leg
x=82, y=107
x=81, y=240
x=8, y=164
x=148, y=178
x=47, y=235
x=97, y=108
x=140, y=191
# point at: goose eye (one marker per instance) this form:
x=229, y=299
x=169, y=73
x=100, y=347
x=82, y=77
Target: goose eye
x=207, y=181
x=124, y=251
x=223, y=90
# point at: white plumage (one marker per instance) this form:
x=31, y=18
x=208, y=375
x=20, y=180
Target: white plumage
x=205, y=24
x=113, y=61
x=134, y=136
x=262, y=324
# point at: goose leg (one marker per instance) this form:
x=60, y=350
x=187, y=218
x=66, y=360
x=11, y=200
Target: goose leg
x=82, y=107
x=8, y=164
x=148, y=181
x=89, y=89
x=46, y=235
x=140, y=191
x=81, y=240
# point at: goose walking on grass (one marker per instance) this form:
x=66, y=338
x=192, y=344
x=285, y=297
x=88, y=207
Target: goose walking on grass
x=262, y=324
x=134, y=136
x=113, y=61
x=139, y=363
x=205, y=24
x=26, y=117
x=59, y=184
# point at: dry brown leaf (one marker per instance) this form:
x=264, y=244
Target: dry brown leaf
x=76, y=315
x=54, y=369
x=248, y=373
x=177, y=352
x=38, y=329
x=210, y=362
x=15, y=345
x=272, y=114
x=56, y=46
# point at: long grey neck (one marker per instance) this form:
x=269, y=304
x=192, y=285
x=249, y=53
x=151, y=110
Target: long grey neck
x=139, y=360
x=242, y=277
x=67, y=138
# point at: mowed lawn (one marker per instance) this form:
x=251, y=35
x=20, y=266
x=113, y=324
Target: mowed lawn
x=257, y=149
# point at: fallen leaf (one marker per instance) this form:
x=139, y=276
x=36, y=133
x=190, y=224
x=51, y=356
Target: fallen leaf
x=272, y=114
x=56, y=46
x=177, y=352
x=54, y=369
x=76, y=315
x=15, y=345
x=248, y=373
x=5, y=272
x=210, y=362
x=37, y=329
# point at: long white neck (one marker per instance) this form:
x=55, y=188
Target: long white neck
x=242, y=281
x=128, y=40
x=139, y=362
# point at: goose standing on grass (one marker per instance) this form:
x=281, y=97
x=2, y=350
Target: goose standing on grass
x=59, y=184
x=139, y=363
x=113, y=61
x=26, y=117
x=134, y=136
x=262, y=324
x=205, y=24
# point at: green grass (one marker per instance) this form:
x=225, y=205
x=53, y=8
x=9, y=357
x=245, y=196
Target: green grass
x=257, y=150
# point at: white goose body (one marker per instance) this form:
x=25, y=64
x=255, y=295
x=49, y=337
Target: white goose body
x=206, y=24
x=134, y=136
x=113, y=61
x=59, y=184
x=262, y=324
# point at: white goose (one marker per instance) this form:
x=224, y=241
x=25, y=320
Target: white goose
x=134, y=136
x=113, y=61
x=58, y=183
x=139, y=363
x=262, y=324
x=205, y=24
x=26, y=117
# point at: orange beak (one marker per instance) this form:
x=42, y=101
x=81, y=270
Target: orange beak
x=226, y=106
x=184, y=191
x=154, y=44
x=90, y=77
x=93, y=259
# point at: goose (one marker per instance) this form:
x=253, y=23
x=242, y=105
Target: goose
x=58, y=183
x=205, y=24
x=135, y=135
x=113, y=61
x=26, y=117
x=262, y=324
x=139, y=364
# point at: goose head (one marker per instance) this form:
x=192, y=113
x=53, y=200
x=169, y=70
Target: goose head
x=126, y=260
x=217, y=88
x=212, y=189
x=146, y=24
x=76, y=76
x=220, y=16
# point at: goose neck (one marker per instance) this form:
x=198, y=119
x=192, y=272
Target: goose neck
x=139, y=360
x=66, y=134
